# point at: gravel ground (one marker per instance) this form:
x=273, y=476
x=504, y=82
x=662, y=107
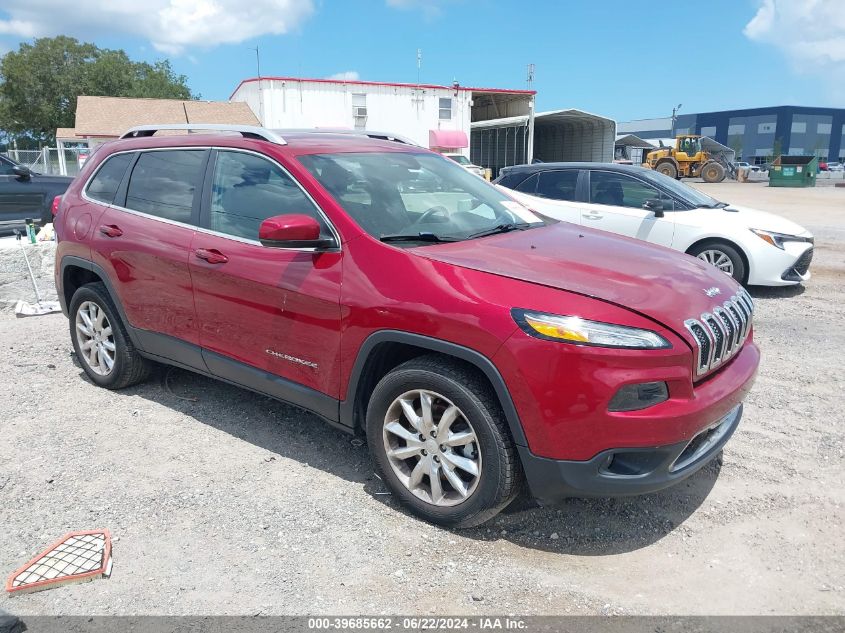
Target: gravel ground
x=224, y=502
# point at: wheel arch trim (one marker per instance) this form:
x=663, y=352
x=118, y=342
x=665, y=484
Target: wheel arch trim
x=727, y=241
x=471, y=356
x=79, y=262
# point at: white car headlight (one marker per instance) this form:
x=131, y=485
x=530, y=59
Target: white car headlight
x=573, y=329
x=779, y=239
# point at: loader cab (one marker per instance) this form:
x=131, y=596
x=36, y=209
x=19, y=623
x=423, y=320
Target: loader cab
x=689, y=145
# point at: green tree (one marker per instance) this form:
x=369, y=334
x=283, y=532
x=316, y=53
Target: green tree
x=777, y=147
x=39, y=84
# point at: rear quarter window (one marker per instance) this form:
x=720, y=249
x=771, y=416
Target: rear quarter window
x=163, y=183
x=105, y=183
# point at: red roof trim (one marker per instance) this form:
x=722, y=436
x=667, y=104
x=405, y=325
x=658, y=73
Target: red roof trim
x=359, y=82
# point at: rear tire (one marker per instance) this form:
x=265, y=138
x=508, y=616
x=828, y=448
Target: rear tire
x=100, y=341
x=712, y=172
x=475, y=478
x=667, y=168
x=723, y=256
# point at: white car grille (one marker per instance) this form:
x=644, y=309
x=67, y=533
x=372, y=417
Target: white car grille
x=720, y=334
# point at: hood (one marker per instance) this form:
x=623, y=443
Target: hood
x=749, y=218
x=667, y=286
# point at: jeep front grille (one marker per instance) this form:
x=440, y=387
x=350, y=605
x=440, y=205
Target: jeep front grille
x=720, y=334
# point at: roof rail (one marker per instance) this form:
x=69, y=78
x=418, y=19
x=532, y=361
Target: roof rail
x=384, y=136
x=247, y=131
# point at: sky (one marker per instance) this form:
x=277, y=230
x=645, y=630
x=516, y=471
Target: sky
x=625, y=60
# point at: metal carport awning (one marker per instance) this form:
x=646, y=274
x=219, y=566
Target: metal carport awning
x=559, y=135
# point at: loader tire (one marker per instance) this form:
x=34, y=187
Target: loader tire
x=712, y=172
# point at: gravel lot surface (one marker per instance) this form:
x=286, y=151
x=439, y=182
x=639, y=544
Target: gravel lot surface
x=224, y=502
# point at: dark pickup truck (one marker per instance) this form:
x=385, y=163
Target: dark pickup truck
x=26, y=194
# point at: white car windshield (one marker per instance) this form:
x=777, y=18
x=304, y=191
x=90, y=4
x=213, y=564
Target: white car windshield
x=416, y=197
x=691, y=196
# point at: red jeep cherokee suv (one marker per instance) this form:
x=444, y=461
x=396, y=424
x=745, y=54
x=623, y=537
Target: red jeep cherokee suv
x=384, y=288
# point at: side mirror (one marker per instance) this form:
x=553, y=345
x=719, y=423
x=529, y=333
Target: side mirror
x=21, y=171
x=292, y=231
x=655, y=206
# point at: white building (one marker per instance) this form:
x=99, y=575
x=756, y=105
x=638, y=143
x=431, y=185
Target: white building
x=432, y=116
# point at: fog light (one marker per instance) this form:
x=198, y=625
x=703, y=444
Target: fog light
x=639, y=396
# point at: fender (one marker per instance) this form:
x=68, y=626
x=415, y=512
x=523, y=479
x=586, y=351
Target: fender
x=478, y=360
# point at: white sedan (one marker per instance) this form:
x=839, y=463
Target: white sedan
x=754, y=247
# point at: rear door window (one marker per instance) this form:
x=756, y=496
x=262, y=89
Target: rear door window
x=105, y=184
x=164, y=183
x=558, y=185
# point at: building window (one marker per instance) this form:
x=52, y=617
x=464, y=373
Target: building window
x=445, y=108
x=823, y=128
x=359, y=110
x=709, y=131
x=796, y=151
x=799, y=127
x=736, y=130
x=766, y=128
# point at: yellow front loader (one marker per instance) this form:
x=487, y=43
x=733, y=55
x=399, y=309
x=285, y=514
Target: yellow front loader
x=686, y=160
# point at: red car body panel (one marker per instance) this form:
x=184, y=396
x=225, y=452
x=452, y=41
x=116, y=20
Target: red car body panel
x=265, y=307
x=149, y=262
x=267, y=304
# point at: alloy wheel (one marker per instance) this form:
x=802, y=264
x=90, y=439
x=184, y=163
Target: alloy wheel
x=718, y=259
x=432, y=448
x=95, y=338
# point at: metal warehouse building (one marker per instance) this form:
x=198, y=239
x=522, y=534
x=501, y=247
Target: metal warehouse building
x=559, y=135
x=758, y=134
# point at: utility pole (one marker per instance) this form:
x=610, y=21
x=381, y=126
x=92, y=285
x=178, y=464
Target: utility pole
x=529, y=145
x=260, y=93
x=419, y=64
x=675, y=117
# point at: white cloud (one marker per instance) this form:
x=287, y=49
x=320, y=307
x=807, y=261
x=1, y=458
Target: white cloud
x=171, y=25
x=347, y=75
x=810, y=34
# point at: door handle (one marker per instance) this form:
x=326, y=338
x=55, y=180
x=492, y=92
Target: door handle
x=593, y=216
x=111, y=230
x=211, y=255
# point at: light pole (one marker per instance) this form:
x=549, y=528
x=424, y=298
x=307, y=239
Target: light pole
x=260, y=95
x=675, y=117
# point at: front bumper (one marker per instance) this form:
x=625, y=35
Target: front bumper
x=771, y=266
x=627, y=471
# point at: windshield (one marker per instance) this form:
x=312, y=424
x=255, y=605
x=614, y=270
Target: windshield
x=459, y=158
x=686, y=193
x=391, y=194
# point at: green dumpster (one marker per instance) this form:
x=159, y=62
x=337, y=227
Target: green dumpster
x=794, y=171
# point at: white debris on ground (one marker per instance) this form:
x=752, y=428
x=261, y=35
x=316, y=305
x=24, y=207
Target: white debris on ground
x=15, y=283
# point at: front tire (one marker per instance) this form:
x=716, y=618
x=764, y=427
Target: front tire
x=723, y=256
x=100, y=340
x=437, y=434
x=712, y=172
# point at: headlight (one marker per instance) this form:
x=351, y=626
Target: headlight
x=573, y=329
x=778, y=239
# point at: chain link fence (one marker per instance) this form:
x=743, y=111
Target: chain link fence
x=51, y=160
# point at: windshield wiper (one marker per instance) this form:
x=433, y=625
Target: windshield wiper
x=718, y=205
x=500, y=228
x=418, y=237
